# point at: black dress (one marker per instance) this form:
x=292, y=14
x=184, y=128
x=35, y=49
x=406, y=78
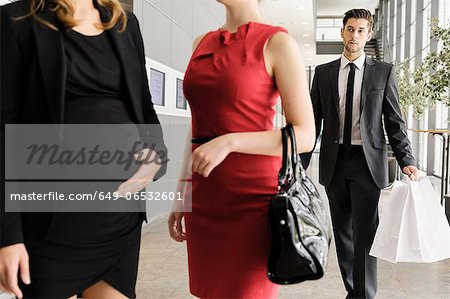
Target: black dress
x=103, y=245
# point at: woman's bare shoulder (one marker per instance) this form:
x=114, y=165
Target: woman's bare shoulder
x=197, y=40
x=280, y=40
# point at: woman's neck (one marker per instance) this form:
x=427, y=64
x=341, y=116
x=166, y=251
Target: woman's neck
x=242, y=13
x=87, y=17
x=82, y=7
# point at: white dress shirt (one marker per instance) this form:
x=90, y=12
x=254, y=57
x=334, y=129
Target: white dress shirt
x=344, y=70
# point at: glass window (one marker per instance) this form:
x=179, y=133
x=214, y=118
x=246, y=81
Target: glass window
x=425, y=51
x=388, y=15
x=388, y=20
x=328, y=29
x=441, y=123
x=423, y=140
x=426, y=26
x=444, y=116
x=157, y=87
x=181, y=100
x=325, y=22
x=394, y=49
x=412, y=45
x=328, y=34
x=403, y=28
x=394, y=24
x=410, y=122
x=402, y=48
x=412, y=62
x=413, y=10
x=444, y=13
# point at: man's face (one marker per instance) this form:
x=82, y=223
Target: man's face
x=356, y=34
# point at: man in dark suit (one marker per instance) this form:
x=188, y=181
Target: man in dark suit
x=354, y=95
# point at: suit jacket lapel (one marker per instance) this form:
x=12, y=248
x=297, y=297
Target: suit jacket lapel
x=50, y=51
x=130, y=62
x=334, y=79
x=367, y=78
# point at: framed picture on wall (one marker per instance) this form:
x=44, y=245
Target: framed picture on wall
x=181, y=100
x=157, y=87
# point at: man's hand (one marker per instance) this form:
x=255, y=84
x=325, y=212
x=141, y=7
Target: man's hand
x=13, y=258
x=412, y=172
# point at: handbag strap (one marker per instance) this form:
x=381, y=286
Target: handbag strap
x=298, y=160
x=291, y=173
x=284, y=163
x=293, y=140
x=288, y=170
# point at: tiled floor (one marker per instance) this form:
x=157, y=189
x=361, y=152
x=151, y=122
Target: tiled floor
x=163, y=272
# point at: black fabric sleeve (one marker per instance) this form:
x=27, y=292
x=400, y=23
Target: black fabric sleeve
x=12, y=72
x=153, y=133
x=394, y=123
x=317, y=107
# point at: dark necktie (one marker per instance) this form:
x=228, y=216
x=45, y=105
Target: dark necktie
x=349, y=107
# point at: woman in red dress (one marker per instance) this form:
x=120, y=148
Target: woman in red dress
x=232, y=83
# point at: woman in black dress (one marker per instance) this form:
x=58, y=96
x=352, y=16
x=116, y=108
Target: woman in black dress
x=74, y=62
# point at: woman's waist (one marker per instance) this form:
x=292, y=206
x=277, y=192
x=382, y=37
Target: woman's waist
x=202, y=135
x=97, y=110
x=241, y=173
x=241, y=165
x=219, y=128
x=86, y=99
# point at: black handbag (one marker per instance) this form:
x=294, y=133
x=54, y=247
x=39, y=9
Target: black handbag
x=299, y=225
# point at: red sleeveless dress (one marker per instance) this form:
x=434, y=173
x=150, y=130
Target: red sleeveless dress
x=229, y=90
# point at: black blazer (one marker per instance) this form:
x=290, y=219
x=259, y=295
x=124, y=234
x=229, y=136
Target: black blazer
x=379, y=103
x=33, y=86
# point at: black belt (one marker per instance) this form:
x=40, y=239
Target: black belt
x=201, y=139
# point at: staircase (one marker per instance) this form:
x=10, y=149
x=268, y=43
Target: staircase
x=374, y=49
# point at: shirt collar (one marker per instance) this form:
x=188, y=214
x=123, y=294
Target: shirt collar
x=359, y=62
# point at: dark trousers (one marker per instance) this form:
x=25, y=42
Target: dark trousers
x=353, y=197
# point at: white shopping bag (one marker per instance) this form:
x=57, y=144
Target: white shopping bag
x=414, y=227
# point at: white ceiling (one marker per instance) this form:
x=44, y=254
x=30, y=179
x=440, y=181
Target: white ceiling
x=299, y=18
x=339, y=7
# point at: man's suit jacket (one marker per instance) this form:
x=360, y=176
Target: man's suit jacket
x=33, y=78
x=379, y=103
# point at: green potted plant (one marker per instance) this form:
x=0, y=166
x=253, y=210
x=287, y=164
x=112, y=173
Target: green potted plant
x=429, y=82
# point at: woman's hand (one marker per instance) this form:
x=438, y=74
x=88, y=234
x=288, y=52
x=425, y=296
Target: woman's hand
x=142, y=177
x=175, y=225
x=175, y=221
x=207, y=156
x=13, y=258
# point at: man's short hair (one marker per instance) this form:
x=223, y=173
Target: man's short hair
x=359, y=13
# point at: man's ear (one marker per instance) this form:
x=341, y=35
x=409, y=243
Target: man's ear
x=369, y=35
x=342, y=32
